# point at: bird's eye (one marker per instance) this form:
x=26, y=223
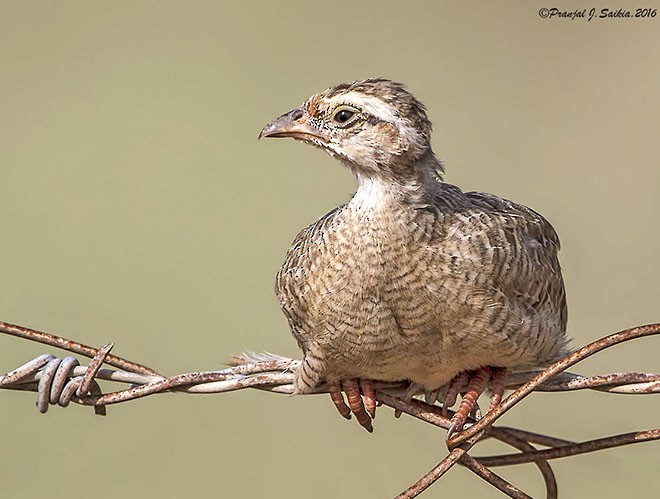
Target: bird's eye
x=344, y=116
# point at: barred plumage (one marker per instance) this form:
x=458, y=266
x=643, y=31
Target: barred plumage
x=412, y=279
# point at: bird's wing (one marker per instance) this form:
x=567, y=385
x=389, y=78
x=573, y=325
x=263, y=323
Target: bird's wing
x=520, y=246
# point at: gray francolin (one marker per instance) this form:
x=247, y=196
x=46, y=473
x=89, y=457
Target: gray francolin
x=412, y=279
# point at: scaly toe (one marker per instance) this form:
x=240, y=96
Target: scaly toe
x=338, y=400
x=355, y=402
x=476, y=386
x=367, y=387
x=498, y=376
x=454, y=388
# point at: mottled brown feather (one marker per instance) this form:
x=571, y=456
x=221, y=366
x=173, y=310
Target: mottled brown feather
x=413, y=279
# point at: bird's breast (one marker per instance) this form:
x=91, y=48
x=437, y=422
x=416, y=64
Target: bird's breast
x=363, y=279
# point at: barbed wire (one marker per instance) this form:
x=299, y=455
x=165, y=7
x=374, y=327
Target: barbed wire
x=60, y=381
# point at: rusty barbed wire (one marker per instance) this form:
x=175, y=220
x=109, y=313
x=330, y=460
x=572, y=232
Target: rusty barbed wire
x=61, y=381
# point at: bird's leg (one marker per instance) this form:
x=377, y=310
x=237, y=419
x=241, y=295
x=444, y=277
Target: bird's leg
x=364, y=410
x=476, y=386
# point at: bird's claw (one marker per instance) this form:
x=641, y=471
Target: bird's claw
x=477, y=381
x=361, y=398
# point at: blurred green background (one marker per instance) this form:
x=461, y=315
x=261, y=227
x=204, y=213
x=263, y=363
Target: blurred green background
x=138, y=207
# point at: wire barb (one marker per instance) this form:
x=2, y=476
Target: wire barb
x=61, y=381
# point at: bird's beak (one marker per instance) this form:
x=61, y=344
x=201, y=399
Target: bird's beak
x=292, y=124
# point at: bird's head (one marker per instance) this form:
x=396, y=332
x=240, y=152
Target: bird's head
x=375, y=126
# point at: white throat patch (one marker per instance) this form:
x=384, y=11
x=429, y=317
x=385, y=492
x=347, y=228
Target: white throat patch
x=372, y=194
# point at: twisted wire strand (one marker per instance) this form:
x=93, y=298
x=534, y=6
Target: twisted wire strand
x=60, y=381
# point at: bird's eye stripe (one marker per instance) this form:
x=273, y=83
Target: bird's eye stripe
x=372, y=120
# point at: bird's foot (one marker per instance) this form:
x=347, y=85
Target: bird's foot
x=476, y=383
x=412, y=390
x=361, y=398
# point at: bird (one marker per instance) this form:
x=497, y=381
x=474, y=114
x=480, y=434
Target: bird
x=412, y=280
